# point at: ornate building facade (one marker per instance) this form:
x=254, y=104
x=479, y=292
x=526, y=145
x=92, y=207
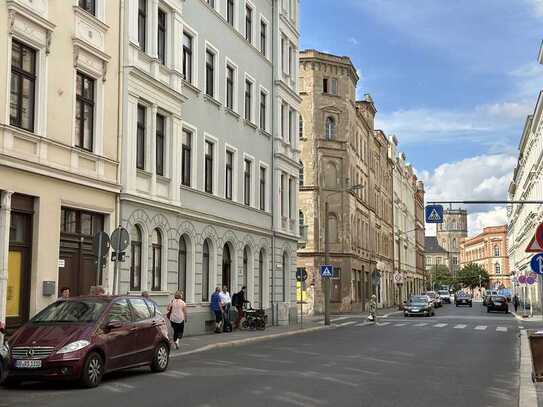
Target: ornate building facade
x=449, y=235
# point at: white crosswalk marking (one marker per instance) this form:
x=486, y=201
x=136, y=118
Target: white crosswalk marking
x=363, y=324
x=347, y=323
x=440, y=325
x=460, y=326
x=501, y=329
x=480, y=327
x=402, y=324
x=382, y=323
x=421, y=324
x=339, y=319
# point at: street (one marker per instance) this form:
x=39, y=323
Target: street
x=462, y=356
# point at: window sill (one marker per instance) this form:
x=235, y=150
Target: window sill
x=212, y=100
x=144, y=173
x=191, y=86
x=265, y=133
x=163, y=179
x=250, y=124
x=232, y=113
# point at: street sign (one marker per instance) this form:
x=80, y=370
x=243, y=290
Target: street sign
x=536, y=244
x=375, y=278
x=537, y=263
x=121, y=256
x=326, y=270
x=530, y=280
x=101, y=244
x=522, y=280
x=120, y=239
x=434, y=214
x=398, y=278
x=301, y=274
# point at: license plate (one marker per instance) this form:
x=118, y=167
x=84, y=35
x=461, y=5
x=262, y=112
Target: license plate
x=415, y=310
x=28, y=364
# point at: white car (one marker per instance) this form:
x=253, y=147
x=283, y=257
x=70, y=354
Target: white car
x=445, y=296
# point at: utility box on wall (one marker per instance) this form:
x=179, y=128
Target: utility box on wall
x=49, y=288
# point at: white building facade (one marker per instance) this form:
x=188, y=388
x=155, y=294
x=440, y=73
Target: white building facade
x=209, y=163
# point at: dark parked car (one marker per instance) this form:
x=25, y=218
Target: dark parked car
x=462, y=298
x=83, y=338
x=419, y=305
x=497, y=303
x=4, y=355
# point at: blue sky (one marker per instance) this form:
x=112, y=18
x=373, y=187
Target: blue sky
x=453, y=80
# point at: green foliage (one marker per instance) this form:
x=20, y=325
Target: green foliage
x=473, y=275
x=441, y=275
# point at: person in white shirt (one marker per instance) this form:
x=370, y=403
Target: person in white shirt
x=177, y=314
x=227, y=301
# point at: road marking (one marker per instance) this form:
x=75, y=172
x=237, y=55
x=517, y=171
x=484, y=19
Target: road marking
x=421, y=324
x=480, y=327
x=382, y=323
x=339, y=319
x=175, y=374
x=460, y=326
x=347, y=323
x=364, y=324
x=440, y=325
x=402, y=324
x=501, y=329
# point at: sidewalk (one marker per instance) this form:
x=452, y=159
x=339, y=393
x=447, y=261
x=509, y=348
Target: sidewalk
x=202, y=343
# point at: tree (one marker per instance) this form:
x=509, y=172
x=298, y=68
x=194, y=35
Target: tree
x=473, y=275
x=440, y=275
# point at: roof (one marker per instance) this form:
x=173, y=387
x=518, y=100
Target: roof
x=431, y=245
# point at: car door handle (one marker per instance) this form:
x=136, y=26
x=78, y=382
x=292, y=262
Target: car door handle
x=135, y=328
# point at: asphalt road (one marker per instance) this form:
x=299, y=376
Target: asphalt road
x=461, y=356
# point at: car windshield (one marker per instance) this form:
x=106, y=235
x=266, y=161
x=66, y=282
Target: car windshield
x=418, y=300
x=73, y=311
x=443, y=292
x=498, y=299
x=431, y=295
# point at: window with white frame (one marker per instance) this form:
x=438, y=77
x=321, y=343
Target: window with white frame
x=88, y=5
x=262, y=188
x=210, y=73
x=230, y=12
x=248, y=23
x=160, y=143
x=330, y=129
x=161, y=36
x=248, y=99
x=263, y=37
x=263, y=109
x=142, y=24
x=84, y=112
x=187, y=57
x=208, y=167
x=23, y=85
x=229, y=174
x=247, y=182
x=230, y=86
x=186, y=158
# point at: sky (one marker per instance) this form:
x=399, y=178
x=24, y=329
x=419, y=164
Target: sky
x=453, y=80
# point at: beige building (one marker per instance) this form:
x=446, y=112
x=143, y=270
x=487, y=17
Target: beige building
x=58, y=148
x=489, y=250
x=340, y=149
x=450, y=233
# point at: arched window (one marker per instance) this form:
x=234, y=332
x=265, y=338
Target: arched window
x=135, y=259
x=496, y=251
x=245, y=266
x=226, y=265
x=330, y=130
x=156, y=272
x=261, y=278
x=301, y=174
x=182, y=266
x=205, y=271
x=301, y=219
x=497, y=268
x=332, y=228
x=300, y=127
x=454, y=243
x=285, y=274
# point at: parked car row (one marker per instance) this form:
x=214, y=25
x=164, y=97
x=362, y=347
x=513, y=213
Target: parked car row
x=463, y=298
x=85, y=337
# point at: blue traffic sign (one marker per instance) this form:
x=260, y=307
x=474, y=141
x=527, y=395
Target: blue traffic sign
x=537, y=263
x=434, y=214
x=326, y=270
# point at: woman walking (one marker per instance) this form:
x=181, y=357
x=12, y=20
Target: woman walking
x=177, y=314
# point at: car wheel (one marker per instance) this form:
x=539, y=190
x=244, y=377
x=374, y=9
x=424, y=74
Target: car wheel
x=488, y=310
x=161, y=358
x=456, y=305
x=471, y=305
x=93, y=370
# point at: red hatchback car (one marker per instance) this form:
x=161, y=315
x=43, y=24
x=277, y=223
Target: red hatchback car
x=84, y=337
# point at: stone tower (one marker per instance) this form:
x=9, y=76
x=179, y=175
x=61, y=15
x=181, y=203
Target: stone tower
x=449, y=234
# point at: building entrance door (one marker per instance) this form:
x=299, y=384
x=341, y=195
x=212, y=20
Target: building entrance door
x=77, y=267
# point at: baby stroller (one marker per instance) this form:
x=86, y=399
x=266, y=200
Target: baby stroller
x=253, y=318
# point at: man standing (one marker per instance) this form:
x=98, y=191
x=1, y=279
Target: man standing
x=516, y=302
x=217, y=309
x=64, y=293
x=239, y=300
x=227, y=302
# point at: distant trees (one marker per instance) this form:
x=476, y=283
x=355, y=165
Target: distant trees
x=473, y=275
x=440, y=275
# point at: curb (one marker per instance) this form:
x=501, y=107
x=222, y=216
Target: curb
x=527, y=391
x=245, y=341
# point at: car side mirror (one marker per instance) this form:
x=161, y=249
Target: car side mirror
x=114, y=324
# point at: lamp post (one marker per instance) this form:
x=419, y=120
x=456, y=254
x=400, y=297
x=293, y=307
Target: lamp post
x=326, y=282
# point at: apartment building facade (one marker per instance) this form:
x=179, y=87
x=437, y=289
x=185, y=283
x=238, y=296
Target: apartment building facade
x=58, y=148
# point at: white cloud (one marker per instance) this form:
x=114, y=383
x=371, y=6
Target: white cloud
x=352, y=41
x=537, y=6
x=479, y=178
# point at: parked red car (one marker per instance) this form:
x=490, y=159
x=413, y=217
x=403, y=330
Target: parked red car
x=85, y=337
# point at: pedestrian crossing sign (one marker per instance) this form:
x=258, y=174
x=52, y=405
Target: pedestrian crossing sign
x=434, y=214
x=326, y=270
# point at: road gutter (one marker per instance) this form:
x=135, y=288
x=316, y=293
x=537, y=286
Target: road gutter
x=246, y=341
x=527, y=391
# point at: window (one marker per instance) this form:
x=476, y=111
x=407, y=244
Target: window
x=187, y=57
x=23, y=84
x=161, y=37
x=290, y=59
x=182, y=266
x=140, y=142
x=290, y=124
x=186, y=153
x=120, y=311
x=248, y=99
x=284, y=108
x=285, y=273
x=261, y=277
x=263, y=98
x=205, y=271
x=245, y=267
x=263, y=37
x=211, y=3
x=283, y=58
x=247, y=183
x=301, y=174
x=88, y=5
x=209, y=167
x=142, y=23
x=230, y=12
x=282, y=195
x=160, y=130
x=141, y=311
x=498, y=268
x=210, y=73
x=300, y=127
x=325, y=85
x=156, y=272
x=230, y=87
x=290, y=200
x=333, y=86
x=330, y=128
x=329, y=86
x=262, y=188
x=249, y=24
x=84, y=112
x=496, y=251
x=135, y=259
x=229, y=164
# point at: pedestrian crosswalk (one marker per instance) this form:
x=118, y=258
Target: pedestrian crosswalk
x=434, y=324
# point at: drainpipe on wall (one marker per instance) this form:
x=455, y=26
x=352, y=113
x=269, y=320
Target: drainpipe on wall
x=273, y=130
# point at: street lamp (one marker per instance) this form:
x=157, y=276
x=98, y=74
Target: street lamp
x=326, y=285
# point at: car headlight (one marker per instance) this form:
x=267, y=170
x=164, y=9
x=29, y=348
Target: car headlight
x=74, y=346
